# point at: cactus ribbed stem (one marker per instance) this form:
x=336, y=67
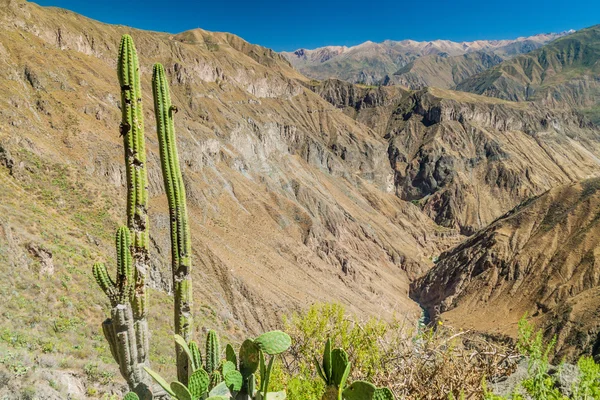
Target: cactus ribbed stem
x=132, y=130
x=180, y=234
x=127, y=329
x=213, y=352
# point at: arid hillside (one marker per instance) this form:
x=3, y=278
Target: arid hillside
x=540, y=258
x=298, y=191
x=563, y=72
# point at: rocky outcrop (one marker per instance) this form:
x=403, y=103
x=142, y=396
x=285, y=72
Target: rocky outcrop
x=466, y=159
x=539, y=259
x=372, y=106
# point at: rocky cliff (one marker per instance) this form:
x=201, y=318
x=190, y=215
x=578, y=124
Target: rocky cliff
x=466, y=159
x=540, y=259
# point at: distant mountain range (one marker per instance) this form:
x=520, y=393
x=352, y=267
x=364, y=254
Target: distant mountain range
x=442, y=63
x=563, y=73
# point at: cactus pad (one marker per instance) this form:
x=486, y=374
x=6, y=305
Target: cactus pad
x=340, y=367
x=274, y=342
x=249, y=358
x=198, y=383
x=360, y=390
x=181, y=392
x=383, y=394
x=234, y=380
x=230, y=354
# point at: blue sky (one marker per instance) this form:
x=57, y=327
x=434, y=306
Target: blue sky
x=286, y=25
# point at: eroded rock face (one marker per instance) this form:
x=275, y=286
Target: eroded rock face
x=539, y=259
x=467, y=159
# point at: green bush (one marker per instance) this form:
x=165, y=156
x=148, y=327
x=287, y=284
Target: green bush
x=539, y=384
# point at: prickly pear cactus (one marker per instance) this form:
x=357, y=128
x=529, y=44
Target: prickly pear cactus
x=383, y=394
x=274, y=342
x=198, y=384
x=360, y=390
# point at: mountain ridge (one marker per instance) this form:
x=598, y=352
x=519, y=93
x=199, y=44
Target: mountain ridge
x=370, y=62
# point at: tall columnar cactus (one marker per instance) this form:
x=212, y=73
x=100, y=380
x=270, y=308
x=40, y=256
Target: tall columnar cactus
x=180, y=232
x=127, y=329
x=132, y=130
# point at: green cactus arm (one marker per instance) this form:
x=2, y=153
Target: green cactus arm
x=180, y=235
x=196, y=356
x=125, y=283
x=131, y=396
x=132, y=129
x=105, y=282
x=213, y=351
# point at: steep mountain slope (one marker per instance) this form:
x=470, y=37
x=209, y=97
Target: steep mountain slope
x=468, y=159
x=442, y=71
x=371, y=63
x=370, y=106
x=540, y=258
x=564, y=72
x=290, y=200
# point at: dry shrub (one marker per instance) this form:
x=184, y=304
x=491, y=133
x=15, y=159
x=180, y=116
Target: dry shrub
x=414, y=361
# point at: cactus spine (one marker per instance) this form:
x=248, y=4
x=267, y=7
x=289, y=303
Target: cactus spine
x=127, y=329
x=180, y=233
